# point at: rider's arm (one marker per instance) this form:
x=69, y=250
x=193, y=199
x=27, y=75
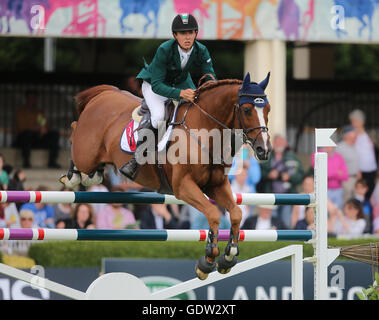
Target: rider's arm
x=158, y=75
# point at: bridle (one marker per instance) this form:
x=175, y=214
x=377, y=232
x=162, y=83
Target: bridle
x=238, y=111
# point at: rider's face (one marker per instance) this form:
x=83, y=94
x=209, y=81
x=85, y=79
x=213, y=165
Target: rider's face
x=185, y=39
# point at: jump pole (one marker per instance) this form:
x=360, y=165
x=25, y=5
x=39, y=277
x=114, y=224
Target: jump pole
x=322, y=255
x=112, y=286
x=145, y=197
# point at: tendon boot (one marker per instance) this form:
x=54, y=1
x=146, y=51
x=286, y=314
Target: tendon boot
x=130, y=169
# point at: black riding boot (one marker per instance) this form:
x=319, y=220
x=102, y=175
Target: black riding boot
x=130, y=169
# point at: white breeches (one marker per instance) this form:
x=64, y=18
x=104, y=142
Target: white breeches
x=155, y=102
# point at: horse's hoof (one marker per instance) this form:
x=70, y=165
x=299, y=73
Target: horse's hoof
x=204, y=267
x=63, y=179
x=200, y=274
x=224, y=266
x=70, y=182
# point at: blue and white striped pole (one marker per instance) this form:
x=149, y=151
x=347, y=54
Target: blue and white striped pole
x=146, y=197
x=149, y=235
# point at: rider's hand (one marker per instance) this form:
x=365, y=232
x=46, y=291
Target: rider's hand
x=188, y=94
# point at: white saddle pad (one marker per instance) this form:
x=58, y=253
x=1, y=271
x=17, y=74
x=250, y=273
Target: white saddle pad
x=129, y=136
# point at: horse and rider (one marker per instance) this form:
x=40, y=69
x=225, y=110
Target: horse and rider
x=230, y=105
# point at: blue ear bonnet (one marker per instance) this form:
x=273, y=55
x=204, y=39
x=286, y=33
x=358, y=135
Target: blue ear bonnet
x=253, y=93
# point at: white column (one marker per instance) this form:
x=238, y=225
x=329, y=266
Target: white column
x=49, y=55
x=301, y=61
x=262, y=56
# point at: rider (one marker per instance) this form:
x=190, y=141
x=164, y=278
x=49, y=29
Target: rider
x=168, y=75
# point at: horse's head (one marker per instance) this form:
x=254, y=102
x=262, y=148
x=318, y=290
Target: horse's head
x=253, y=109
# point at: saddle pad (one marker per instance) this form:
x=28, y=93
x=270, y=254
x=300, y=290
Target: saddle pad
x=129, y=136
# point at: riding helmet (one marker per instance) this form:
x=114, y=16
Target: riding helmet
x=184, y=22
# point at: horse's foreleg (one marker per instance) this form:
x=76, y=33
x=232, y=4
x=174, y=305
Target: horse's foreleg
x=224, y=197
x=188, y=191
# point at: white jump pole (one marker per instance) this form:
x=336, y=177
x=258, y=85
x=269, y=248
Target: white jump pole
x=322, y=255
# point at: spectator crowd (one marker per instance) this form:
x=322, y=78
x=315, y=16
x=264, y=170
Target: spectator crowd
x=353, y=193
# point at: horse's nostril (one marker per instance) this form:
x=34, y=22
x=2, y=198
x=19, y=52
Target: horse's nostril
x=260, y=151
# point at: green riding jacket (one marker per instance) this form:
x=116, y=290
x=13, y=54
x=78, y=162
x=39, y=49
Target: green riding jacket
x=165, y=74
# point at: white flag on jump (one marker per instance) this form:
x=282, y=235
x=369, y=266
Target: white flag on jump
x=323, y=138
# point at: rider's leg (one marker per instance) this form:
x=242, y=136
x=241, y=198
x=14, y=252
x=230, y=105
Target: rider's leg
x=157, y=109
x=155, y=102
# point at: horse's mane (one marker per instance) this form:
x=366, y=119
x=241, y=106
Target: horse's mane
x=83, y=97
x=214, y=84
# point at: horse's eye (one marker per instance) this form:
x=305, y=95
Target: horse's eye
x=247, y=111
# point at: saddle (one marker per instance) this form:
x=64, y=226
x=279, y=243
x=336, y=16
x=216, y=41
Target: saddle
x=143, y=112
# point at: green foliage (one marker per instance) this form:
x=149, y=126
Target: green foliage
x=372, y=293
x=17, y=54
x=353, y=61
x=90, y=253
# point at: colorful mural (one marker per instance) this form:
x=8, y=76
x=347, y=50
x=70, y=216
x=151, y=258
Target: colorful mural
x=292, y=20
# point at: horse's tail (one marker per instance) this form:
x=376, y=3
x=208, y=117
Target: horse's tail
x=82, y=98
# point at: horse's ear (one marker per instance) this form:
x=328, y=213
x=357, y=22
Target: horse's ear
x=264, y=83
x=246, y=81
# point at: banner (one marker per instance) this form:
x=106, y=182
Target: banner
x=268, y=282
x=300, y=20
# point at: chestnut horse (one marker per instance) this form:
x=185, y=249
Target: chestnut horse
x=104, y=112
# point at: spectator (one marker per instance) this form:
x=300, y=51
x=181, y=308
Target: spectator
x=347, y=223
x=32, y=131
x=376, y=220
x=264, y=220
x=3, y=223
x=157, y=216
x=239, y=185
x=43, y=213
x=365, y=149
x=199, y=220
x=114, y=216
x=253, y=169
x=374, y=200
x=81, y=218
x=98, y=206
x=346, y=148
x=8, y=214
x=298, y=211
x=337, y=173
x=4, y=180
x=17, y=181
x=62, y=211
x=282, y=173
x=360, y=192
x=27, y=219
x=11, y=215
x=308, y=222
